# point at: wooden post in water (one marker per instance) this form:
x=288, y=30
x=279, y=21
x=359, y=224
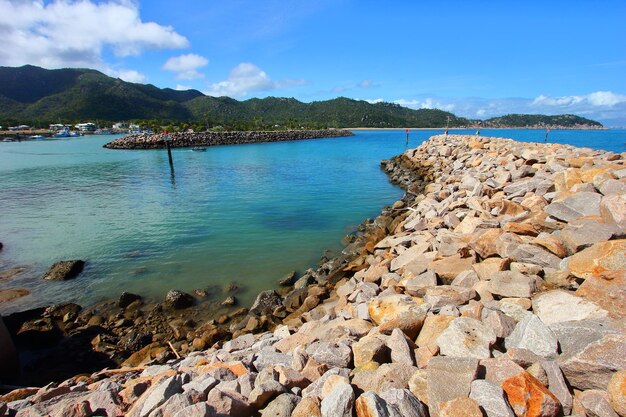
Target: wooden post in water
x=407, y=136
x=169, y=150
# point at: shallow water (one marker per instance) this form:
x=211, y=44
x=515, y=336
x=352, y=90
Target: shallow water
x=246, y=213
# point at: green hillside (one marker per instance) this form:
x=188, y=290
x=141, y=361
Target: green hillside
x=37, y=96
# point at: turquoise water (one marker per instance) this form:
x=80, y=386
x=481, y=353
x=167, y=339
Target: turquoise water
x=247, y=213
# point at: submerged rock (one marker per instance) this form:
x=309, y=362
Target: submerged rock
x=64, y=270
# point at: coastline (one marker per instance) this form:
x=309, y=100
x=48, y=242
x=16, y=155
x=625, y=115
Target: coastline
x=395, y=275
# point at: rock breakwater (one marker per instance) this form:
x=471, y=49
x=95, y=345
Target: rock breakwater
x=191, y=139
x=496, y=287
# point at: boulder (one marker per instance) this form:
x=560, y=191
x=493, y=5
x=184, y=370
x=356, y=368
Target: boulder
x=617, y=392
x=405, y=402
x=228, y=403
x=557, y=385
x=397, y=311
x=466, y=337
x=460, y=407
x=401, y=348
x=575, y=336
x=307, y=407
x=490, y=398
x=528, y=397
x=607, y=291
x=532, y=334
x=178, y=300
x=484, y=244
x=557, y=306
x=594, y=365
x=263, y=392
x=449, y=267
x=335, y=355
x=613, y=210
x=575, y=206
x=432, y=328
x=512, y=284
x=449, y=378
x=65, y=270
x=369, y=348
x=387, y=376
x=281, y=406
x=371, y=405
x=160, y=393
x=127, y=298
x=595, y=403
x=582, y=233
x=448, y=295
x=601, y=258
x=339, y=402
x=265, y=303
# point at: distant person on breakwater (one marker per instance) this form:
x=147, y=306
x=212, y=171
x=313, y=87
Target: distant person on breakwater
x=477, y=132
x=547, y=132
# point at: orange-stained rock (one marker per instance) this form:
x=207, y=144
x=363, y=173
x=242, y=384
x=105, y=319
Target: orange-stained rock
x=553, y=244
x=529, y=398
x=449, y=267
x=520, y=229
x=579, y=161
x=600, y=258
x=485, y=243
x=397, y=311
x=308, y=407
x=460, y=407
x=565, y=180
x=608, y=291
x=237, y=367
x=587, y=175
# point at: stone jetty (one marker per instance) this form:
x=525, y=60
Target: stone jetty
x=192, y=139
x=495, y=287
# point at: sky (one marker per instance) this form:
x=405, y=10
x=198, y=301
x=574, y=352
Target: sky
x=477, y=58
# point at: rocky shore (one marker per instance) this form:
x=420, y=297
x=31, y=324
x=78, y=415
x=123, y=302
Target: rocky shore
x=495, y=287
x=192, y=139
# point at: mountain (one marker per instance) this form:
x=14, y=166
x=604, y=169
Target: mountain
x=37, y=96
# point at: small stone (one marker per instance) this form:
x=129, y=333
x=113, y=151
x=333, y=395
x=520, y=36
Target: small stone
x=229, y=301
x=466, y=337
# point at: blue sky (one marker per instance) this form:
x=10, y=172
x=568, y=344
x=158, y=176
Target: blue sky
x=475, y=58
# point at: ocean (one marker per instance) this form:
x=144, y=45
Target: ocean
x=244, y=214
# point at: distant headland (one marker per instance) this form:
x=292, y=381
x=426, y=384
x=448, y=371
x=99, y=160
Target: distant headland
x=38, y=97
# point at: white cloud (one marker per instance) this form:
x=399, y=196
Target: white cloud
x=181, y=87
x=605, y=98
x=247, y=78
x=598, y=98
x=367, y=84
x=374, y=100
x=67, y=33
x=131, y=76
x=427, y=103
x=186, y=66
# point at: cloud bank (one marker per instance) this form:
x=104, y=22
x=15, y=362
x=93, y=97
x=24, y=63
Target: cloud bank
x=69, y=33
x=186, y=66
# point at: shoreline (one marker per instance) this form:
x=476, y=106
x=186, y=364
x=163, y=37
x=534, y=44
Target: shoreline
x=494, y=248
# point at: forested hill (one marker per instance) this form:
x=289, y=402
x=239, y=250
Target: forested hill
x=37, y=96
x=541, y=121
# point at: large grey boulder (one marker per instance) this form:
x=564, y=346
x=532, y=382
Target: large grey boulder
x=593, y=366
x=577, y=205
x=490, y=398
x=558, y=306
x=466, y=337
x=281, y=406
x=512, y=284
x=335, y=355
x=532, y=334
x=339, y=402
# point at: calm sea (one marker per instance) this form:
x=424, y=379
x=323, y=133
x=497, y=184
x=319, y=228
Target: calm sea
x=246, y=214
